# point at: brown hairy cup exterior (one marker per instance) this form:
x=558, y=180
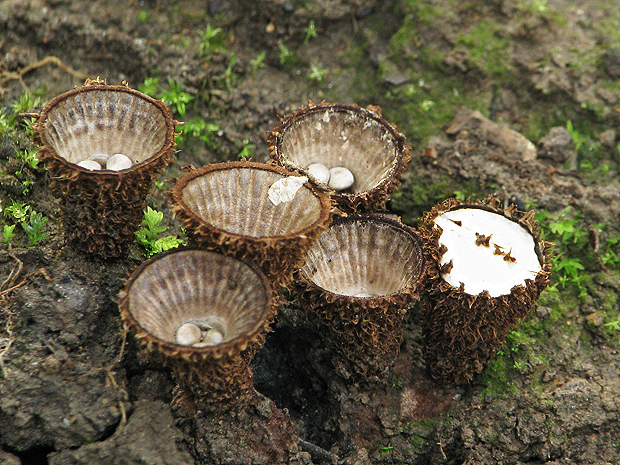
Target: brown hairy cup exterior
x=191, y=284
x=360, y=278
x=462, y=331
x=101, y=210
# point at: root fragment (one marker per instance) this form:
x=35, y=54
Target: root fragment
x=6, y=76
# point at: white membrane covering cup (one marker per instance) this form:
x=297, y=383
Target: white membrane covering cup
x=507, y=261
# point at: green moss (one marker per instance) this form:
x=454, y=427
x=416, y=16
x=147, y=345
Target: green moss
x=522, y=353
x=430, y=98
x=487, y=43
x=605, y=320
x=577, y=278
x=407, y=43
x=413, y=198
x=425, y=13
x=361, y=80
x=427, y=425
x=417, y=195
x=420, y=432
x=428, y=103
x=518, y=357
x=418, y=442
x=611, y=85
x=498, y=376
x=433, y=94
x=542, y=8
x=606, y=25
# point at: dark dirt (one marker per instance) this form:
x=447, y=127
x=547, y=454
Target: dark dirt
x=469, y=84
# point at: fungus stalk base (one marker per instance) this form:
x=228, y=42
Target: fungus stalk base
x=367, y=348
x=216, y=385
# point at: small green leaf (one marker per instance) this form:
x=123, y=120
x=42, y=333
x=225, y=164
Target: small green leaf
x=8, y=233
x=34, y=227
x=148, y=235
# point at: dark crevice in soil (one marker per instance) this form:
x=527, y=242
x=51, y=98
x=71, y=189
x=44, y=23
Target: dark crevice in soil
x=35, y=456
x=282, y=373
x=146, y=376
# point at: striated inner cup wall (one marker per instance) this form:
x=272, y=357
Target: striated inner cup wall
x=236, y=201
x=103, y=122
x=339, y=137
x=224, y=300
x=370, y=246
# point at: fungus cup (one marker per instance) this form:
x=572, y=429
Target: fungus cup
x=102, y=208
x=251, y=211
x=343, y=136
x=211, y=290
x=487, y=267
x=360, y=277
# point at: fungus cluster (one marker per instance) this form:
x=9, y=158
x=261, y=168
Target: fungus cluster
x=365, y=270
x=284, y=220
x=307, y=222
